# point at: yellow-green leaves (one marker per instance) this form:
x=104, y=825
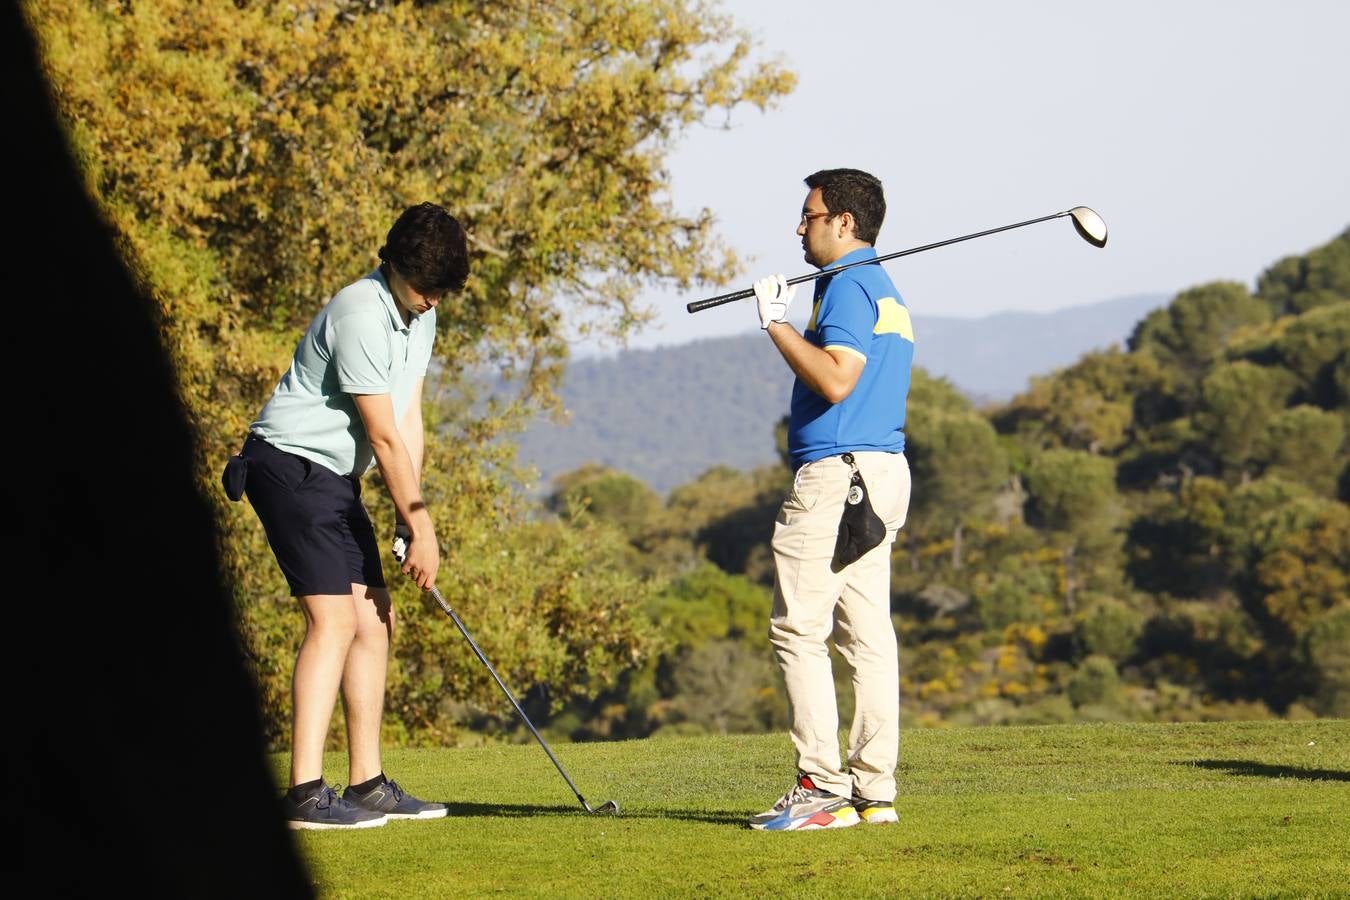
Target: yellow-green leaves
x=251, y=156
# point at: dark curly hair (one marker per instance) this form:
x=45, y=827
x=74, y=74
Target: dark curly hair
x=427, y=247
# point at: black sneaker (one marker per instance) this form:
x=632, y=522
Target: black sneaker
x=324, y=809
x=391, y=800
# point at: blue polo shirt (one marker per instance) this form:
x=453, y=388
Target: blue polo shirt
x=357, y=344
x=860, y=312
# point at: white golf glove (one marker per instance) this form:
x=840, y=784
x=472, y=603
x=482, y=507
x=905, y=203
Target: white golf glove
x=774, y=296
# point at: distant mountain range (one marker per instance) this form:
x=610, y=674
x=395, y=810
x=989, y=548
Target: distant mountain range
x=668, y=414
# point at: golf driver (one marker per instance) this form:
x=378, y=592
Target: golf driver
x=1086, y=222
x=609, y=806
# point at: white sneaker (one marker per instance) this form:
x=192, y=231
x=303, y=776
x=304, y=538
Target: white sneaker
x=805, y=808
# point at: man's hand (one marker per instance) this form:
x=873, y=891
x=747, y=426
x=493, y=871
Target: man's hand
x=423, y=561
x=420, y=558
x=774, y=296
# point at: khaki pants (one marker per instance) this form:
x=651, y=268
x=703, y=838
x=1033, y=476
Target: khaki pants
x=812, y=604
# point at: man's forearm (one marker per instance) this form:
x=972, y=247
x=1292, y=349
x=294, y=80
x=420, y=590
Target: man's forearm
x=414, y=440
x=401, y=477
x=816, y=368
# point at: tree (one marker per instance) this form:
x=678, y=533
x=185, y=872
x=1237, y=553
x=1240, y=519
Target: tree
x=1095, y=683
x=932, y=396
x=1328, y=649
x=608, y=495
x=725, y=516
x=1175, y=540
x=1090, y=405
x=1252, y=520
x=1239, y=400
x=725, y=687
x=717, y=670
x=249, y=156
x=1110, y=628
x=1303, y=445
x=1304, y=567
x=1073, y=494
x=1194, y=328
x=1297, y=284
x=708, y=604
x=1312, y=346
x=1072, y=491
x=957, y=465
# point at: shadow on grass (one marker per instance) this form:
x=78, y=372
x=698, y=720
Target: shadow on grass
x=1265, y=770
x=526, y=810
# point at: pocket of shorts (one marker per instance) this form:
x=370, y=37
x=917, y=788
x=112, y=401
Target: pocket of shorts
x=285, y=470
x=306, y=473
x=805, y=491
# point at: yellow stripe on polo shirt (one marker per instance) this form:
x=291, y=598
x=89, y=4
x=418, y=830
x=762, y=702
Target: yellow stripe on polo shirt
x=893, y=318
x=862, y=356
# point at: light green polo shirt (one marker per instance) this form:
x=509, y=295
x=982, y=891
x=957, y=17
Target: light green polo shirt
x=357, y=344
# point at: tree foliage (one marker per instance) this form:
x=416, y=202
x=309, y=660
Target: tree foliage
x=1303, y=444
x=1194, y=328
x=250, y=156
x=1297, y=284
x=1159, y=530
x=1239, y=400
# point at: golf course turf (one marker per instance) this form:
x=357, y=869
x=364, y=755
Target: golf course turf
x=1214, y=809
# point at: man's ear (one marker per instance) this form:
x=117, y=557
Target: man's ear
x=846, y=225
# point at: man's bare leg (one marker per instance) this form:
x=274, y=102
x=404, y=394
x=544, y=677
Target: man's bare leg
x=330, y=629
x=363, y=679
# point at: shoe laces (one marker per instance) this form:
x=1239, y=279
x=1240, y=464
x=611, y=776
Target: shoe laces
x=328, y=796
x=399, y=793
x=798, y=793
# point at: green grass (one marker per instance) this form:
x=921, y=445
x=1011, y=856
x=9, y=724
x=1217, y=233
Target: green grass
x=1232, y=809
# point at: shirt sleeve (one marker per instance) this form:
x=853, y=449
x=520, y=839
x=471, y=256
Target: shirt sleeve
x=361, y=355
x=847, y=318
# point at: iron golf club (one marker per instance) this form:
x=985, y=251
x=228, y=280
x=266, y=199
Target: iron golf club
x=610, y=807
x=1086, y=222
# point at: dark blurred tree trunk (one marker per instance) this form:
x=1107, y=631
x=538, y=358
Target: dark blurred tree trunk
x=140, y=753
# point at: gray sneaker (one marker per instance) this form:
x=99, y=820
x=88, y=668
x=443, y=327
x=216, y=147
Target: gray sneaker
x=391, y=800
x=805, y=808
x=323, y=809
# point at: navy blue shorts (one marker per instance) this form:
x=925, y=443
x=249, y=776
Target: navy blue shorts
x=314, y=520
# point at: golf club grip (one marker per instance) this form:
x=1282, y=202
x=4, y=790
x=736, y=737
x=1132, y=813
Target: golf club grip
x=700, y=305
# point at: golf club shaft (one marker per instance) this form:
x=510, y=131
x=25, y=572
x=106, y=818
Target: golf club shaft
x=700, y=305
x=435, y=592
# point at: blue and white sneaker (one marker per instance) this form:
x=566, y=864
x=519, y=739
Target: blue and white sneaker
x=391, y=800
x=806, y=808
x=323, y=809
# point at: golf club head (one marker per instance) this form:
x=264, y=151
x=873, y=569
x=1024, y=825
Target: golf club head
x=608, y=808
x=1089, y=225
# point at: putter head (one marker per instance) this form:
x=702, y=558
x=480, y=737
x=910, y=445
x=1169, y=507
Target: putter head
x=608, y=808
x=1089, y=225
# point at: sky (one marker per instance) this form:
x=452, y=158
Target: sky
x=1211, y=136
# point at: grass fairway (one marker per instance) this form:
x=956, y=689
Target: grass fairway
x=1233, y=809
